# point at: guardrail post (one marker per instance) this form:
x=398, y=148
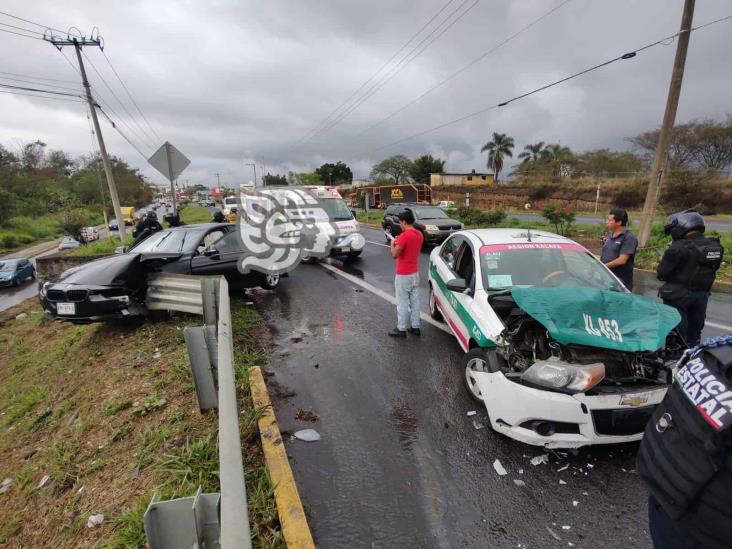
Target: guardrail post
x=203, y=378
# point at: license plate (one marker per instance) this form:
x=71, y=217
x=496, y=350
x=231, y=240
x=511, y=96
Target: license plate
x=637, y=399
x=66, y=308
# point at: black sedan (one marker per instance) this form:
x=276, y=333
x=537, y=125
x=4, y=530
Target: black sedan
x=115, y=286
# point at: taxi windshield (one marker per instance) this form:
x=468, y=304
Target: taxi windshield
x=543, y=265
x=336, y=209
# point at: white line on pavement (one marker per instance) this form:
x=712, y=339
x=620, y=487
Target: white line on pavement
x=719, y=326
x=378, y=243
x=382, y=294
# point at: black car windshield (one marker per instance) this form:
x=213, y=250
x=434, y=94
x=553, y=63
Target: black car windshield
x=167, y=242
x=428, y=212
x=543, y=265
x=336, y=209
x=8, y=266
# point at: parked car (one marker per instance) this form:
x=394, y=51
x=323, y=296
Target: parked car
x=446, y=204
x=15, y=271
x=556, y=349
x=113, y=225
x=434, y=224
x=114, y=287
x=89, y=234
x=68, y=243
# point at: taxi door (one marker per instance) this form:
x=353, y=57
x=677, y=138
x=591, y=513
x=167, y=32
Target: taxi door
x=449, y=303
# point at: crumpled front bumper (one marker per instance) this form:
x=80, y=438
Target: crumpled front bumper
x=352, y=242
x=581, y=419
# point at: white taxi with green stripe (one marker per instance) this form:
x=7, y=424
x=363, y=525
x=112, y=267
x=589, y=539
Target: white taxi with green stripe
x=543, y=323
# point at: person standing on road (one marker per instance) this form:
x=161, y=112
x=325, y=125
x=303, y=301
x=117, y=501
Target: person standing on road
x=685, y=458
x=405, y=249
x=688, y=268
x=618, y=249
x=146, y=226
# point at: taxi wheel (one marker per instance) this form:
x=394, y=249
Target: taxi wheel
x=434, y=311
x=475, y=360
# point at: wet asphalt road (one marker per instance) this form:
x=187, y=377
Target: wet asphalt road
x=400, y=463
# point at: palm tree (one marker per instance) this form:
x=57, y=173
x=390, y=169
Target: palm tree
x=555, y=153
x=532, y=153
x=500, y=146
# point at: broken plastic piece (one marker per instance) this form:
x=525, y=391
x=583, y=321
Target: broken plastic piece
x=538, y=460
x=478, y=425
x=308, y=435
x=500, y=469
x=554, y=534
x=575, y=503
x=519, y=482
x=472, y=413
x=44, y=481
x=561, y=481
x=563, y=468
x=94, y=520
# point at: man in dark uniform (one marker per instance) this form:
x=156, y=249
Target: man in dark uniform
x=218, y=217
x=146, y=226
x=685, y=458
x=688, y=268
x=618, y=249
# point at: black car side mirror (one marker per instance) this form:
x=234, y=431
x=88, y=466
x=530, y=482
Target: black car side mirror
x=211, y=251
x=457, y=285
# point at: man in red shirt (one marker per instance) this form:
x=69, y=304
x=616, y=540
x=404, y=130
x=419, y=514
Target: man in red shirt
x=405, y=249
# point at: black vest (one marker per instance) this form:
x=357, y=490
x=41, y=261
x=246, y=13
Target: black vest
x=686, y=454
x=702, y=256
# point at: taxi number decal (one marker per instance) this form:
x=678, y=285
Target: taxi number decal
x=608, y=328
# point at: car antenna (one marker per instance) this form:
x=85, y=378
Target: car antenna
x=528, y=234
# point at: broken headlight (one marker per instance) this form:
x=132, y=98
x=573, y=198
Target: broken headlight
x=570, y=378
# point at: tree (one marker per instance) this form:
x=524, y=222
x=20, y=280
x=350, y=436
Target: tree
x=560, y=218
x=425, y=165
x=532, y=153
x=271, y=180
x=335, y=174
x=501, y=146
x=304, y=178
x=31, y=155
x=607, y=163
x=395, y=168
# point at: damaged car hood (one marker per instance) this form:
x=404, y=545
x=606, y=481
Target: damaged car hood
x=106, y=270
x=599, y=318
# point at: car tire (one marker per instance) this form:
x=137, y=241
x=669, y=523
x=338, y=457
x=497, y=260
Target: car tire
x=308, y=260
x=271, y=281
x=353, y=255
x=434, y=311
x=475, y=359
x=16, y=282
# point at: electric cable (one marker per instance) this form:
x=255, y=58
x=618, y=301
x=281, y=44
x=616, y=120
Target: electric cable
x=38, y=77
x=388, y=61
x=112, y=123
x=38, y=83
x=37, y=24
x=19, y=34
x=24, y=88
x=43, y=96
x=465, y=67
x=628, y=55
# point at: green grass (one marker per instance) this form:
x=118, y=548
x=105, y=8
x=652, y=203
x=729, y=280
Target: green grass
x=129, y=529
x=24, y=230
x=195, y=214
x=103, y=246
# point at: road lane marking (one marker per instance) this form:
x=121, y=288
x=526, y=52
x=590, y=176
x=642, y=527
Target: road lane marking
x=383, y=295
x=378, y=243
x=719, y=326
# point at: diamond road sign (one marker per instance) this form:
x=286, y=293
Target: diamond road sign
x=169, y=161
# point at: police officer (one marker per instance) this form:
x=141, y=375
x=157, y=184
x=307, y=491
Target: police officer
x=218, y=217
x=146, y=226
x=688, y=268
x=685, y=458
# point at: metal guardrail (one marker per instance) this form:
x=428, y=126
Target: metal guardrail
x=205, y=520
x=174, y=292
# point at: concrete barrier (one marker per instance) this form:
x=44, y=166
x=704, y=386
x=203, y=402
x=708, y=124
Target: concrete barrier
x=50, y=266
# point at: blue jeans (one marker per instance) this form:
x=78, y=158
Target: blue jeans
x=407, y=298
x=693, y=310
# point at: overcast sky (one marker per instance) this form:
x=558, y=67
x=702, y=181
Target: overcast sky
x=233, y=82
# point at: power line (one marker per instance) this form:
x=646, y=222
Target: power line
x=382, y=67
x=20, y=28
x=36, y=24
x=53, y=92
x=38, y=77
x=465, y=67
x=36, y=83
x=394, y=71
x=111, y=122
x=130, y=96
x=628, y=55
x=99, y=74
x=43, y=96
x=19, y=34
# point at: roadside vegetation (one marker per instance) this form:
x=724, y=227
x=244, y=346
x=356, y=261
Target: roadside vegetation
x=96, y=419
x=191, y=214
x=44, y=194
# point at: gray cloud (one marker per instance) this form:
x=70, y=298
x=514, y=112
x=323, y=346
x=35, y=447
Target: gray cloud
x=230, y=82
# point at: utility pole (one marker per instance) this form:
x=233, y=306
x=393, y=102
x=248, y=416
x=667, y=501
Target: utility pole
x=669, y=117
x=255, y=172
x=218, y=181
x=78, y=43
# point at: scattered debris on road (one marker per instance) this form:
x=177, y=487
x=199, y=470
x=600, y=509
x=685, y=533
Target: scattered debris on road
x=472, y=413
x=306, y=415
x=5, y=485
x=499, y=468
x=553, y=534
x=44, y=481
x=307, y=435
x=538, y=460
x=519, y=482
x=94, y=520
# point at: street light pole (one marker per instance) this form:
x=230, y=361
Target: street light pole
x=253, y=165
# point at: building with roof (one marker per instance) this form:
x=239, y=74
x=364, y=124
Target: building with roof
x=461, y=179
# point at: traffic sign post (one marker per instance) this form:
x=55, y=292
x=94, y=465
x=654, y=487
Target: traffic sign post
x=170, y=162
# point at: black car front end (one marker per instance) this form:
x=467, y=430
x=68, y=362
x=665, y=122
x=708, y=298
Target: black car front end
x=83, y=304
x=436, y=231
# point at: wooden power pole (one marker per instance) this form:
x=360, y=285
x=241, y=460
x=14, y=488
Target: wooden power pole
x=669, y=117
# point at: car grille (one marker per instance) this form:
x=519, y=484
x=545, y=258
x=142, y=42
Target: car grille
x=622, y=421
x=76, y=295
x=113, y=292
x=447, y=227
x=55, y=295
